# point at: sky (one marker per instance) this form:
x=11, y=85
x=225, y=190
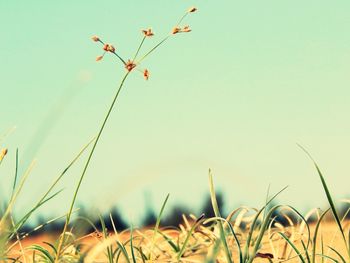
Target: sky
x=235, y=95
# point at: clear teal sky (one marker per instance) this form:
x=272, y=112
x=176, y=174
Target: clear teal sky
x=253, y=79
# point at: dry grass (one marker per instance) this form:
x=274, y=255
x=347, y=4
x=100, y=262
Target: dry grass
x=201, y=243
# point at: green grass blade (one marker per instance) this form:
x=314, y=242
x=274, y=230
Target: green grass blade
x=313, y=257
x=187, y=239
x=217, y=214
x=170, y=242
x=306, y=251
x=265, y=225
x=15, y=195
x=44, y=198
x=123, y=251
x=132, y=245
x=293, y=246
x=51, y=246
x=330, y=200
x=24, y=219
x=338, y=254
x=87, y=163
x=328, y=257
x=156, y=227
x=232, y=232
x=16, y=175
x=331, y=203
x=46, y=254
x=250, y=234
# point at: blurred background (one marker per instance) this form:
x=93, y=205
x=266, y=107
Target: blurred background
x=235, y=95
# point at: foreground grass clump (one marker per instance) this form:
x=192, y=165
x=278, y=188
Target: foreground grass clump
x=245, y=235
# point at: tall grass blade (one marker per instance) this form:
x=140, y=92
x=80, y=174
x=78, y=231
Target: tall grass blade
x=330, y=200
x=88, y=162
x=217, y=214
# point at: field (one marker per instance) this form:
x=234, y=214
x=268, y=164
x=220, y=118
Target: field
x=201, y=244
x=273, y=233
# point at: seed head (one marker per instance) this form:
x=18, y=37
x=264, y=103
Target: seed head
x=95, y=38
x=130, y=65
x=176, y=30
x=111, y=48
x=148, y=32
x=146, y=74
x=186, y=29
x=192, y=9
x=108, y=47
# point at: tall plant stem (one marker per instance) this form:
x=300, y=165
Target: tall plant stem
x=61, y=242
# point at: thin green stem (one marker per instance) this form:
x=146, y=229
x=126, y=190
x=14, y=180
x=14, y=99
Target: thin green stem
x=182, y=18
x=138, y=49
x=154, y=48
x=120, y=58
x=60, y=244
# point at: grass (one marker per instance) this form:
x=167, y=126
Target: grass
x=245, y=236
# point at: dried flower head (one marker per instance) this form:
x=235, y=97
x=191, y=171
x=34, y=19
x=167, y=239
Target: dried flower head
x=130, y=65
x=108, y=48
x=148, y=32
x=146, y=74
x=176, y=30
x=186, y=29
x=95, y=38
x=192, y=9
x=111, y=48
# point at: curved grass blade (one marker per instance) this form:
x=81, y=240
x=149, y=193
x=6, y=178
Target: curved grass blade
x=313, y=257
x=338, y=254
x=328, y=257
x=250, y=234
x=187, y=239
x=293, y=246
x=45, y=253
x=265, y=226
x=232, y=232
x=306, y=251
x=170, y=242
x=330, y=200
